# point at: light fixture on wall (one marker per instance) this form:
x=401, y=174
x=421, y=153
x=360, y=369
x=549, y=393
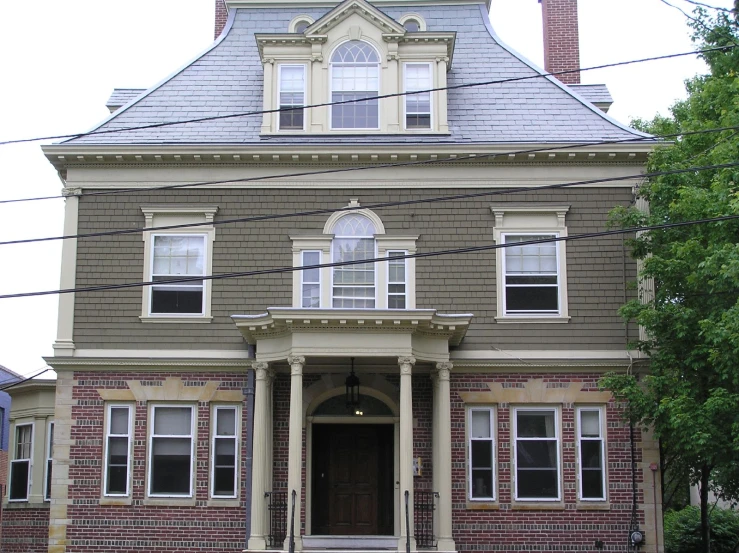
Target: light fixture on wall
x=352, y=392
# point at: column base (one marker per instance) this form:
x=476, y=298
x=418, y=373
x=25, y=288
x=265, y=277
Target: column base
x=257, y=543
x=402, y=542
x=298, y=543
x=446, y=544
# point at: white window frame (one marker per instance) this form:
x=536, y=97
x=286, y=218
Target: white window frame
x=303, y=282
x=493, y=447
x=278, y=103
x=106, y=445
x=49, y=460
x=557, y=439
x=390, y=254
x=531, y=220
x=16, y=460
x=150, y=453
x=374, y=270
x=532, y=312
x=331, y=91
x=184, y=285
x=602, y=439
x=214, y=439
x=158, y=216
x=405, y=98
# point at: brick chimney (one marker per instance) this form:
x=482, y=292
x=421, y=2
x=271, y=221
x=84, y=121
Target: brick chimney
x=221, y=17
x=561, y=38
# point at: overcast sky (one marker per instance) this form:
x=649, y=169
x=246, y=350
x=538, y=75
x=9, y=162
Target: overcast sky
x=60, y=60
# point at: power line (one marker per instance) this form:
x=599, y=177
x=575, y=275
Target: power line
x=16, y=383
x=281, y=270
x=115, y=192
x=379, y=97
x=710, y=7
x=694, y=19
x=381, y=205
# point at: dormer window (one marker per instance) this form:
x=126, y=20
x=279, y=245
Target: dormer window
x=418, y=106
x=412, y=25
x=301, y=26
x=291, y=81
x=355, y=74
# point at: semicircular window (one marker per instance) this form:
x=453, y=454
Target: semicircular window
x=336, y=407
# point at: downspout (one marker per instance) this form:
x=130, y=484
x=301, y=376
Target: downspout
x=249, y=393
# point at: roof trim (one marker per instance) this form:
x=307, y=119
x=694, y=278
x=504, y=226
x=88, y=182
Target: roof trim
x=221, y=37
x=555, y=81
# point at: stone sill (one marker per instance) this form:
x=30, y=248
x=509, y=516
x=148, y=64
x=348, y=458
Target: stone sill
x=176, y=320
x=529, y=320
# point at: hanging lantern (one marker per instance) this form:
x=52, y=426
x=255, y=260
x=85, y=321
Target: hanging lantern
x=352, y=392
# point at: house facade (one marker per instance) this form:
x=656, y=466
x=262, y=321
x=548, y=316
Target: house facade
x=367, y=324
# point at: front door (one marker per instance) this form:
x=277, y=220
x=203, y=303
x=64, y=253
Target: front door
x=352, y=479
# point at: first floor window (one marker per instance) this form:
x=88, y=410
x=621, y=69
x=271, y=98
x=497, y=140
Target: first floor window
x=170, y=451
x=178, y=256
x=311, y=279
x=292, y=96
x=20, y=466
x=418, y=106
x=481, y=454
x=49, y=457
x=118, y=447
x=396, y=280
x=223, y=461
x=531, y=275
x=591, y=453
x=536, y=437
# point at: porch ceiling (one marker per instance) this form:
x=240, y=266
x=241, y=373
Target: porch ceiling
x=284, y=331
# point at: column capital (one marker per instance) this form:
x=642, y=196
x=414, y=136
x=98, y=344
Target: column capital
x=262, y=370
x=443, y=369
x=296, y=363
x=406, y=363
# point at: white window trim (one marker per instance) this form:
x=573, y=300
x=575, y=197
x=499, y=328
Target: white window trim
x=417, y=17
x=330, y=90
x=305, y=94
x=531, y=220
x=48, y=465
x=297, y=19
x=129, y=436
x=150, y=449
x=578, y=426
x=384, y=243
x=432, y=102
x=237, y=446
x=514, y=454
x=164, y=215
x=29, y=460
x=493, y=445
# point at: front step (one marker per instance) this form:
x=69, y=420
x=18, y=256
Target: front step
x=353, y=543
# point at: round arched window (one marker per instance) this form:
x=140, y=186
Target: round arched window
x=412, y=25
x=301, y=26
x=355, y=74
x=354, y=240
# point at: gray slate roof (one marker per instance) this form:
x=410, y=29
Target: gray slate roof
x=227, y=79
x=121, y=96
x=596, y=94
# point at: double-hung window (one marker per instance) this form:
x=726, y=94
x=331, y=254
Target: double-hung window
x=178, y=256
x=354, y=284
x=49, y=457
x=117, y=450
x=531, y=275
x=291, y=96
x=20, y=466
x=311, y=279
x=417, y=106
x=171, y=451
x=224, y=448
x=536, y=436
x=396, y=280
x=355, y=74
x=591, y=447
x=481, y=453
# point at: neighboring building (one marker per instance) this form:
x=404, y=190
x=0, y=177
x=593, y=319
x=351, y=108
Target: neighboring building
x=7, y=378
x=189, y=414
x=25, y=521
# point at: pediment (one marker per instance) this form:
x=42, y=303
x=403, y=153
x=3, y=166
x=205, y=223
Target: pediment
x=349, y=7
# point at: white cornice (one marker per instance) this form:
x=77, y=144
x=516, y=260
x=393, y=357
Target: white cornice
x=332, y=3
x=148, y=364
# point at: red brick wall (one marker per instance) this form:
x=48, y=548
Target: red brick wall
x=531, y=529
x=140, y=527
x=25, y=529
x=221, y=17
x=561, y=38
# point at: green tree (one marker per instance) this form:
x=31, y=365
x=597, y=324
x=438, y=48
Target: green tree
x=689, y=390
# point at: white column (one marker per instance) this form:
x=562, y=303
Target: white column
x=268, y=100
x=443, y=471
x=257, y=539
x=435, y=442
x=406, y=449
x=295, y=456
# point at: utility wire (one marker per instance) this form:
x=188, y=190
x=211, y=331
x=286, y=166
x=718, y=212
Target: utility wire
x=282, y=270
x=694, y=19
x=379, y=97
x=380, y=205
x=16, y=383
x=457, y=158
x=710, y=7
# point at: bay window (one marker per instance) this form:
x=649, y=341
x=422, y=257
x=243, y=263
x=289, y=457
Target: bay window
x=20, y=466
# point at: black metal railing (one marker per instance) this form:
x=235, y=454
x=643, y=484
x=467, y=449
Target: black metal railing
x=424, y=504
x=407, y=526
x=292, y=524
x=277, y=508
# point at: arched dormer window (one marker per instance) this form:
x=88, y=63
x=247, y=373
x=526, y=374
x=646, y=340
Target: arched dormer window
x=355, y=73
x=354, y=240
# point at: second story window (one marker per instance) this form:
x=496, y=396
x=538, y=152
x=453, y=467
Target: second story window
x=531, y=276
x=355, y=74
x=291, y=96
x=178, y=256
x=354, y=285
x=418, y=106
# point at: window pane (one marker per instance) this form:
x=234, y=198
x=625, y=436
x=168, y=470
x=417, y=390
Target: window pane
x=482, y=454
x=117, y=477
x=537, y=484
x=226, y=422
x=176, y=301
x=535, y=424
x=311, y=295
x=396, y=302
x=170, y=471
x=47, y=487
x=590, y=424
x=118, y=451
x=591, y=454
x=19, y=479
x=119, y=420
x=536, y=454
x=172, y=421
x=592, y=484
x=225, y=481
x=482, y=483
x=480, y=424
x=529, y=298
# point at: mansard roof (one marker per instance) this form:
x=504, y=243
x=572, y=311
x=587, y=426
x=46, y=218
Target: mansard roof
x=227, y=80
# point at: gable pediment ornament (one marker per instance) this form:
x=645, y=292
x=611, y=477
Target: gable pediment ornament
x=360, y=7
